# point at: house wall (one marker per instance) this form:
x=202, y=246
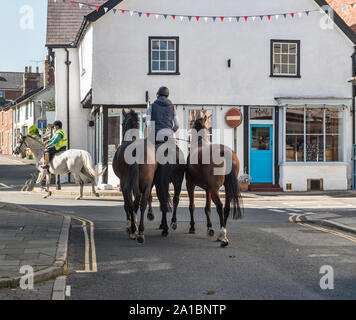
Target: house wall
x=120, y=56
x=86, y=63
x=6, y=145
x=78, y=116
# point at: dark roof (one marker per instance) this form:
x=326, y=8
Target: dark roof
x=27, y=95
x=64, y=21
x=11, y=80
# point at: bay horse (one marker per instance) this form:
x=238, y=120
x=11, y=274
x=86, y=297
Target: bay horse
x=136, y=179
x=203, y=174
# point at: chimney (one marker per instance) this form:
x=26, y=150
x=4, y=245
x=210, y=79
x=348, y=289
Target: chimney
x=48, y=73
x=30, y=80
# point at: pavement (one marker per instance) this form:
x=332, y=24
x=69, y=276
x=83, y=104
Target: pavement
x=31, y=237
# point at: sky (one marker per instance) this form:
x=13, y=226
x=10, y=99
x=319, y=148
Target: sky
x=23, y=34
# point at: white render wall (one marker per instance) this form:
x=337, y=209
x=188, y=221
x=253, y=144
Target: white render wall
x=79, y=129
x=86, y=63
x=120, y=64
x=334, y=176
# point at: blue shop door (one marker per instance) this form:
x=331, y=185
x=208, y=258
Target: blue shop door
x=261, y=153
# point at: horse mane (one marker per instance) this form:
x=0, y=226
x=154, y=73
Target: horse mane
x=197, y=125
x=132, y=120
x=37, y=139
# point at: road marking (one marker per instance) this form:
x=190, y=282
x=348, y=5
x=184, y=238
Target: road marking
x=336, y=233
x=88, y=245
x=277, y=210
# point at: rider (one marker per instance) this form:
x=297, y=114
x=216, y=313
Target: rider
x=162, y=112
x=56, y=144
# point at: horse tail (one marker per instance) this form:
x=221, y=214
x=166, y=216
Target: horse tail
x=233, y=188
x=132, y=183
x=88, y=164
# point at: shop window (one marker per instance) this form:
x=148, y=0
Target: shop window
x=113, y=135
x=314, y=134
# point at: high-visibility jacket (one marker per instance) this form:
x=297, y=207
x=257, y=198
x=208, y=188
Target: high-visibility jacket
x=63, y=141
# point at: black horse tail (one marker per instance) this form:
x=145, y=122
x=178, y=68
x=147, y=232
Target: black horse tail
x=233, y=188
x=132, y=184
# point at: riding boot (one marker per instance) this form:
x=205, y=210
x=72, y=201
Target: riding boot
x=46, y=160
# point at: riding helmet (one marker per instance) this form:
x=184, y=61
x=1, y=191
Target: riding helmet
x=163, y=91
x=58, y=124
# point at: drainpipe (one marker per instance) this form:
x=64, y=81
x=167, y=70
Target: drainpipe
x=67, y=62
x=353, y=57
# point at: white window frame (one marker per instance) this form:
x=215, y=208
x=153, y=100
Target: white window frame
x=296, y=54
x=176, y=51
x=305, y=162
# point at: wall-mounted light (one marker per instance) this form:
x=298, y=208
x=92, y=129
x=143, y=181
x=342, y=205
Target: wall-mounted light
x=229, y=63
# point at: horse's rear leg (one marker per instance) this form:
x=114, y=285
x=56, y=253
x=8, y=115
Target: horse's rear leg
x=92, y=180
x=81, y=184
x=208, y=213
x=58, y=182
x=150, y=215
x=190, y=189
x=219, y=207
x=143, y=206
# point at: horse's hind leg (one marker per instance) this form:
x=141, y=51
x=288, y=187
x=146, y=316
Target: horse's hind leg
x=219, y=207
x=190, y=189
x=143, y=206
x=208, y=213
x=150, y=215
x=81, y=184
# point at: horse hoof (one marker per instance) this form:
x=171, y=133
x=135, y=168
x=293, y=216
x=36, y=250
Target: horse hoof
x=174, y=225
x=218, y=240
x=224, y=244
x=140, y=239
x=150, y=216
x=133, y=236
x=192, y=231
x=164, y=233
x=78, y=198
x=211, y=232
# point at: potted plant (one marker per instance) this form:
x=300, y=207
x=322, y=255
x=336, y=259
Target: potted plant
x=244, y=181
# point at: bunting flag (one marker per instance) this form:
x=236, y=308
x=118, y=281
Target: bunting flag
x=103, y=9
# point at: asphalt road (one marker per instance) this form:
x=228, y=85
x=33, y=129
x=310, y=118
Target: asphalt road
x=268, y=256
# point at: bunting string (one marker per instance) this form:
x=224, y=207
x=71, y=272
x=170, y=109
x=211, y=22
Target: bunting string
x=206, y=18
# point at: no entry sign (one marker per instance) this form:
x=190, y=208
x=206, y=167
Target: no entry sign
x=233, y=118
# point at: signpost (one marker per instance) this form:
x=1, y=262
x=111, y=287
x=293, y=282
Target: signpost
x=233, y=119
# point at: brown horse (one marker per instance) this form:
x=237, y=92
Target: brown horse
x=204, y=174
x=136, y=179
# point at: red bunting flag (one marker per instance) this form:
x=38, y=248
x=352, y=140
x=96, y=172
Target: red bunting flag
x=197, y=18
x=292, y=14
x=123, y=11
x=269, y=17
x=222, y=19
x=97, y=8
x=72, y=3
x=148, y=15
x=174, y=17
x=246, y=19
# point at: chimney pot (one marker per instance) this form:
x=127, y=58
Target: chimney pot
x=37, y=70
x=30, y=69
x=26, y=69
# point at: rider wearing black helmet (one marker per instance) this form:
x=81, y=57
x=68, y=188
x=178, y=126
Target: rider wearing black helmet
x=56, y=144
x=162, y=112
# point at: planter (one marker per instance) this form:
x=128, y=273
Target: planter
x=244, y=186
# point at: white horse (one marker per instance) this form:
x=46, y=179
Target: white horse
x=71, y=161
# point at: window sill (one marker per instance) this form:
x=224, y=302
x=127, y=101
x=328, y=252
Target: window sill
x=284, y=76
x=163, y=73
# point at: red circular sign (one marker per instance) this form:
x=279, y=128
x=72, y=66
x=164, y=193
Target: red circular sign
x=233, y=118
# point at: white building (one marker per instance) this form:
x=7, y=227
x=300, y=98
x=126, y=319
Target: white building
x=286, y=74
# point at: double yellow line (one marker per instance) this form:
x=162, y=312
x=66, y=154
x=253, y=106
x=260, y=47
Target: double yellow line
x=297, y=219
x=89, y=244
